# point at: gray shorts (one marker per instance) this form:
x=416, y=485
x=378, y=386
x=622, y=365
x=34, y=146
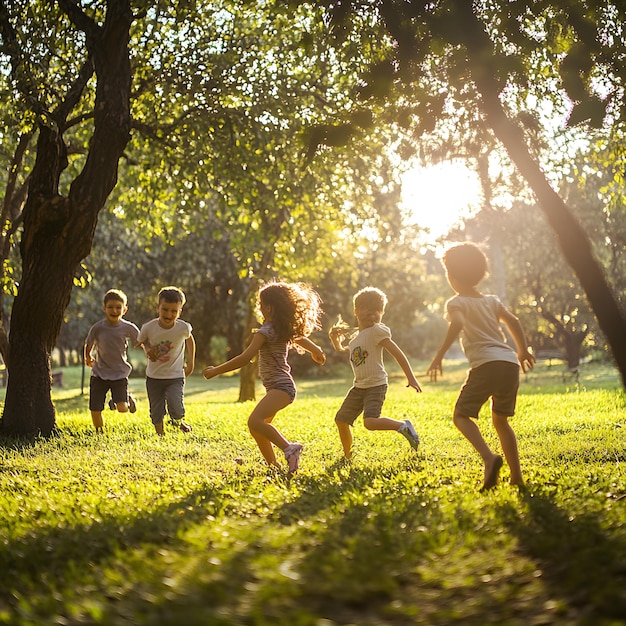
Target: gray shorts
x=367, y=401
x=498, y=380
x=288, y=387
x=165, y=395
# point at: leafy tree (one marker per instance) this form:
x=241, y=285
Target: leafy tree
x=59, y=216
x=499, y=60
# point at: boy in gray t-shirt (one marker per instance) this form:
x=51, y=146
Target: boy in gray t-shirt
x=494, y=365
x=106, y=353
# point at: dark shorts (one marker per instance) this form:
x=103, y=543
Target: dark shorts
x=98, y=388
x=498, y=380
x=166, y=395
x=367, y=401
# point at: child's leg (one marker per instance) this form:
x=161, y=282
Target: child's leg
x=382, y=423
x=119, y=394
x=345, y=434
x=350, y=409
x=260, y=426
x=98, y=389
x=266, y=448
x=98, y=422
x=493, y=462
x=508, y=440
x=156, y=399
x=175, y=400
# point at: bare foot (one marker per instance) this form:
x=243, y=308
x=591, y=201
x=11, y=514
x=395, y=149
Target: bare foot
x=492, y=472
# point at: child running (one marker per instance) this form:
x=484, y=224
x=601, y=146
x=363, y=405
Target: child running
x=165, y=340
x=106, y=353
x=291, y=312
x=494, y=365
x=369, y=389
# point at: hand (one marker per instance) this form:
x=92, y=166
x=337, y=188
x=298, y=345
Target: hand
x=207, y=372
x=334, y=332
x=415, y=385
x=153, y=353
x=433, y=369
x=319, y=357
x=526, y=359
x=188, y=369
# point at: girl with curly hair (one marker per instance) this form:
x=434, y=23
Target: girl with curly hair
x=291, y=312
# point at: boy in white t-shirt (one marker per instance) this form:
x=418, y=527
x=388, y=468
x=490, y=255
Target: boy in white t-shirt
x=494, y=365
x=369, y=389
x=106, y=353
x=165, y=340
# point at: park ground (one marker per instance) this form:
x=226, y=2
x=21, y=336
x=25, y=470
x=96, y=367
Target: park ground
x=127, y=528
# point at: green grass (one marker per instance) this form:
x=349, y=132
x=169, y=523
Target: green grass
x=127, y=528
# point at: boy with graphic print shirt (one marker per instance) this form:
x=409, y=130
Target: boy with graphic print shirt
x=165, y=341
x=369, y=389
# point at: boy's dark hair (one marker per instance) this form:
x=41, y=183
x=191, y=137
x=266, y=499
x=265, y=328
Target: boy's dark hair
x=370, y=298
x=115, y=294
x=172, y=294
x=465, y=262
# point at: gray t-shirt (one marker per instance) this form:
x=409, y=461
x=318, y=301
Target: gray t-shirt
x=109, y=344
x=482, y=338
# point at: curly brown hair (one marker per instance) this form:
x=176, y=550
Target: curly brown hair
x=296, y=308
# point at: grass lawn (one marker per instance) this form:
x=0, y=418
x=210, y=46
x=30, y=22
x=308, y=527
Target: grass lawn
x=126, y=528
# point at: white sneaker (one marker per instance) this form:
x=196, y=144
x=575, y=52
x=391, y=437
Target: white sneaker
x=408, y=430
x=292, y=454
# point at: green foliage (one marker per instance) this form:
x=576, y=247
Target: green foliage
x=194, y=529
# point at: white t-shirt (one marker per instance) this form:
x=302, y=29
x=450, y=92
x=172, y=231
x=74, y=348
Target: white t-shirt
x=110, y=343
x=482, y=338
x=366, y=356
x=171, y=344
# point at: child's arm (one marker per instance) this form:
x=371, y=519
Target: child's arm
x=317, y=354
x=454, y=328
x=190, y=346
x=152, y=352
x=238, y=361
x=89, y=360
x=525, y=356
x=336, y=338
x=394, y=349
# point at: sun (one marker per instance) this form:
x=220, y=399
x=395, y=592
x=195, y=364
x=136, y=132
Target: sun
x=438, y=197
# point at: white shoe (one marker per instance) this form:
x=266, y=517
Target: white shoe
x=408, y=430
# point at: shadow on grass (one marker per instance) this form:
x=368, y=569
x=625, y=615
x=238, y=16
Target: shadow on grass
x=581, y=563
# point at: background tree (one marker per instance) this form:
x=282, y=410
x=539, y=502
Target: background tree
x=501, y=59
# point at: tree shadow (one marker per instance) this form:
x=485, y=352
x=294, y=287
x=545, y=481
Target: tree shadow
x=582, y=563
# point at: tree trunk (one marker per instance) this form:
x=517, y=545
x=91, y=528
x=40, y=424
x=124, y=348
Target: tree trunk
x=58, y=232
x=573, y=241
x=35, y=320
x=248, y=373
x=247, y=382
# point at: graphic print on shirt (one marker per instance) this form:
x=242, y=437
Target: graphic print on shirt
x=161, y=350
x=358, y=356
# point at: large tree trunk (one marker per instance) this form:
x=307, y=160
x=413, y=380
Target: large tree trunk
x=573, y=241
x=58, y=231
